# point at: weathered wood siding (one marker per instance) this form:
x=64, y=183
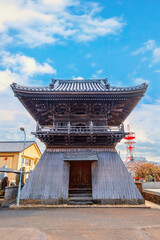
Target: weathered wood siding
x=111, y=179
x=49, y=180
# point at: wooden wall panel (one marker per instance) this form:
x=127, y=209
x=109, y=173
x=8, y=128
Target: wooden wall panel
x=111, y=179
x=49, y=179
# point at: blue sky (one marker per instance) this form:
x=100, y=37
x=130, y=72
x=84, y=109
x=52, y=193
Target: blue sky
x=47, y=39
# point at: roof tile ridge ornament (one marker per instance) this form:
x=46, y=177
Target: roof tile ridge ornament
x=52, y=84
x=13, y=85
x=106, y=84
x=145, y=85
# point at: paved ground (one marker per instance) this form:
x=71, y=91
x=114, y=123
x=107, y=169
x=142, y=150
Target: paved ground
x=80, y=223
x=152, y=205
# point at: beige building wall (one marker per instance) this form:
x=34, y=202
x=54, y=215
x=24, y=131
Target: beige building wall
x=10, y=160
x=31, y=153
x=13, y=160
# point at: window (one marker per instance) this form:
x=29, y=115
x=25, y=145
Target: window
x=62, y=124
x=99, y=124
x=27, y=161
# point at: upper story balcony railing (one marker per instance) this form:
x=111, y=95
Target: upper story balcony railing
x=80, y=129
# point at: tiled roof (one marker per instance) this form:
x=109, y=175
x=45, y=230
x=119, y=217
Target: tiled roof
x=91, y=85
x=81, y=86
x=13, y=146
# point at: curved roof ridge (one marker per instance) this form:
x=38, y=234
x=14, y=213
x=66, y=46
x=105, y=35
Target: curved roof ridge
x=76, y=86
x=80, y=80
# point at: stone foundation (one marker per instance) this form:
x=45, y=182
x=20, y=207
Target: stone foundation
x=43, y=201
x=95, y=201
x=150, y=196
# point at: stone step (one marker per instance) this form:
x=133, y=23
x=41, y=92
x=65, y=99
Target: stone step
x=80, y=198
x=79, y=202
x=80, y=191
x=80, y=195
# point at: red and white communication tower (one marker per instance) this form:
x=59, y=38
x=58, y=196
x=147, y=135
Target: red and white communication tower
x=130, y=141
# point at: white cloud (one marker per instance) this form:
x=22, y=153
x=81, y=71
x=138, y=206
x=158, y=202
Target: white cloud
x=34, y=38
x=93, y=64
x=155, y=56
x=7, y=115
x=99, y=72
x=5, y=39
x=30, y=66
x=20, y=69
x=12, y=117
x=6, y=78
x=78, y=78
x=144, y=121
x=89, y=55
x=139, y=80
x=149, y=46
x=46, y=21
x=25, y=64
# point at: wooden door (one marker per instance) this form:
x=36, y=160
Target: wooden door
x=80, y=175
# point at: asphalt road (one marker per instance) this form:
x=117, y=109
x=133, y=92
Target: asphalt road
x=80, y=223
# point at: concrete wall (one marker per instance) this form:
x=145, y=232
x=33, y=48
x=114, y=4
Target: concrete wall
x=150, y=185
x=11, y=193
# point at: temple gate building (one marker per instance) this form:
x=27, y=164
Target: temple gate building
x=80, y=122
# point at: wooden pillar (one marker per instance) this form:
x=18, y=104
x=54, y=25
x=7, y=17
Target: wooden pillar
x=91, y=126
x=122, y=127
x=69, y=127
x=37, y=127
x=53, y=121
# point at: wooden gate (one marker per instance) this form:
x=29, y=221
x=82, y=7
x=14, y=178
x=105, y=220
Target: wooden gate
x=80, y=176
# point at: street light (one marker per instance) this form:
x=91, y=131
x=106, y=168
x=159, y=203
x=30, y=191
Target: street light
x=20, y=180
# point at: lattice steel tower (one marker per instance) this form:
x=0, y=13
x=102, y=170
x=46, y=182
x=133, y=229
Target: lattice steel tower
x=130, y=148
